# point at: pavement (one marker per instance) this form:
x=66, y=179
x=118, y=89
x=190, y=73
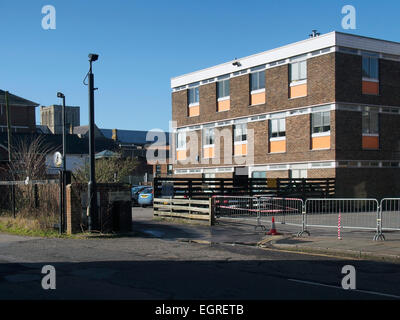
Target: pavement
x=353, y=244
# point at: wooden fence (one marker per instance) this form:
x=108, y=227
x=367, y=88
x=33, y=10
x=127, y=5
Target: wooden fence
x=204, y=188
x=184, y=208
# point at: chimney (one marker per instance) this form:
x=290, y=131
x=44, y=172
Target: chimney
x=114, y=135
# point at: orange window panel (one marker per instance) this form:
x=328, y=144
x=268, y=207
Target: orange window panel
x=208, y=152
x=224, y=105
x=194, y=111
x=370, y=142
x=240, y=149
x=277, y=146
x=370, y=87
x=321, y=142
x=258, y=98
x=181, y=154
x=298, y=91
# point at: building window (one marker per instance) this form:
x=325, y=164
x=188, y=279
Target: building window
x=181, y=140
x=298, y=71
x=257, y=80
x=370, y=122
x=223, y=89
x=277, y=128
x=169, y=169
x=209, y=176
x=208, y=135
x=193, y=100
x=321, y=122
x=158, y=170
x=370, y=68
x=370, y=75
x=193, y=95
x=240, y=133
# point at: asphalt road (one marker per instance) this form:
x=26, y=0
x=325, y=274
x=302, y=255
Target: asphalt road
x=146, y=266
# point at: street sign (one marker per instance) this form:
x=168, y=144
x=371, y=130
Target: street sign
x=58, y=159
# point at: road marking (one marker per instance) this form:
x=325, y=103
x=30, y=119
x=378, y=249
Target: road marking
x=337, y=287
x=337, y=257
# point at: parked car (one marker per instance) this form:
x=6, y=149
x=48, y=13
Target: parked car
x=145, y=197
x=135, y=193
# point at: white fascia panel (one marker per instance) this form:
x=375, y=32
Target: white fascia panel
x=291, y=50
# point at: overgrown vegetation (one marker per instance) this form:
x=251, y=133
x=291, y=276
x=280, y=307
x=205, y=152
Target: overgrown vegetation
x=108, y=170
x=36, y=205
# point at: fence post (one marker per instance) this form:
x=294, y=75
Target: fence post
x=304, y=219
x=190, y=188
x=278, y=187
x=35, y=195
x=258, y=203
x=379, y=234
x=211, y=211
x=327, y=188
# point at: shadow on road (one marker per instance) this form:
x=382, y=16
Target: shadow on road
x=231, y=280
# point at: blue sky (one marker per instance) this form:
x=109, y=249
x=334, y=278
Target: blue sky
x=143, y=44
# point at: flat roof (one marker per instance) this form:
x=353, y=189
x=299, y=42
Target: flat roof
x=323, y=41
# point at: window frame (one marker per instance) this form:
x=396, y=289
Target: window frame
x=299, y=79
x=196, y=96
x=170, y=171
x=225, y=83
x=259, y=75
x=368, y=74
x=323, y=124
x=206, y=135
x=369, y=117
x=243, y=135
x=279, y=134
x=181, y=140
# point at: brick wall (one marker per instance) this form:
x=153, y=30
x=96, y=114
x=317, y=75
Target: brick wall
x=321, y=89
x=349, y=81
x=75, y=193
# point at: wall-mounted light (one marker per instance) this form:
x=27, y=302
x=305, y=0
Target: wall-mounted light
x=236, y=63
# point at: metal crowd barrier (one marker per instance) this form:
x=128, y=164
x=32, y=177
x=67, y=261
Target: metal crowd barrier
x=390, y=214
x=357, y=214
x=345, y=213
x=285, y=210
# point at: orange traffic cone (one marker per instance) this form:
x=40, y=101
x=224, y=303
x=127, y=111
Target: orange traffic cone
x=273, y=231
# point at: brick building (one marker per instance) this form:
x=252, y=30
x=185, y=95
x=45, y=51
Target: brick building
x=22, y=113
x=51, y=117
x=325, y=107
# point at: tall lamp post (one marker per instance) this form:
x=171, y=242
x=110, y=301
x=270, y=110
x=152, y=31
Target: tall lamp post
x=64, y=124
x=92, y=192
x=64, y=160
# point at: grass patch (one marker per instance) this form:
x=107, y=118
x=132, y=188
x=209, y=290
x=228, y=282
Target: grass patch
x=27, y=227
